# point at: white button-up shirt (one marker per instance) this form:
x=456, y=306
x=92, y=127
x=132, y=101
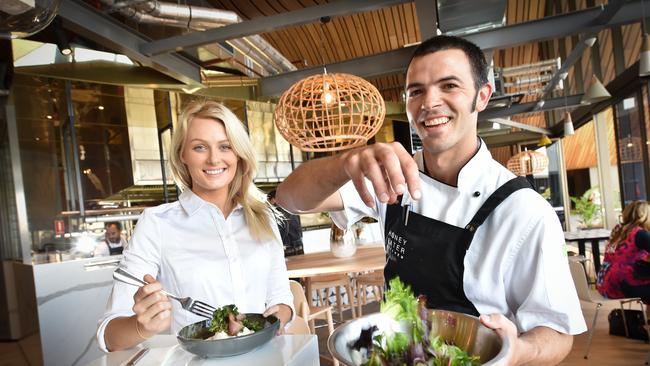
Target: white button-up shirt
x=516, y=264
x=194, y=251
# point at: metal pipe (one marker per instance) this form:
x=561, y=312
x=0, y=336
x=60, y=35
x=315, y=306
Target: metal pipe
x=546, y=64
x=196, y=17
x=90, y=219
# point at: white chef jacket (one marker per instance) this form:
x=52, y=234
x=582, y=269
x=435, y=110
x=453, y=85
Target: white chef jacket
x=193, y=251
x=516, y=264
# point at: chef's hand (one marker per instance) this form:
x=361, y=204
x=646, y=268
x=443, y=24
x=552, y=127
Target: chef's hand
x=504, y=327
x=388, y=166
x=152, y=309
x=282, y=312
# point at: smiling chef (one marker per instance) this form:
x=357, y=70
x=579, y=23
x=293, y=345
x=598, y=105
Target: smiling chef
x=459, y=227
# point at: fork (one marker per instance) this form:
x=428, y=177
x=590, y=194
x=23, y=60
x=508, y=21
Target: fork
x=193, y=306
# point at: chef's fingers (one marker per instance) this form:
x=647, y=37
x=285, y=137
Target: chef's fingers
x=375, y=173
x=388, y=156
x=354, y=170
x=410, y=172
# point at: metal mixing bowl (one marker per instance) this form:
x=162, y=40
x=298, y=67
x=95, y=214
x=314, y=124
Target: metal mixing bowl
x=464, y=331
x=191, y=338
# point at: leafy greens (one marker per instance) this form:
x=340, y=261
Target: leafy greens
x=227, y=319
x=420, y=347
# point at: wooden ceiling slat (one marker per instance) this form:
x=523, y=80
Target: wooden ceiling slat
x=377, y=39
x=390, y=24
x=606, y=56
x=336, y=44
x=360, y=48
x=632, y=39
x=403, y=30
x=417, y=36
x=349, y=44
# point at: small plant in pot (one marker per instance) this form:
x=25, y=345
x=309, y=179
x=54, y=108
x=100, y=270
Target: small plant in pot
x=588, y=208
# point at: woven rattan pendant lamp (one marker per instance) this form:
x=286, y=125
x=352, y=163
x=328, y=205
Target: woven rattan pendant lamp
x=330, y=112
x=527, y=162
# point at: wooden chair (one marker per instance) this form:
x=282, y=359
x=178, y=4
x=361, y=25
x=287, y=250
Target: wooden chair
x=327, y=282
x=298, y=326
x=310, y=313
x=374, y=280
x=590, y=295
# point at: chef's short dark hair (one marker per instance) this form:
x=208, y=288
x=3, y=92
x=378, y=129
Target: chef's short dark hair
x=474, y=54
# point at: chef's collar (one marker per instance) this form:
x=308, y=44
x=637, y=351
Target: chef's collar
x=191, y=203
x=471, y=174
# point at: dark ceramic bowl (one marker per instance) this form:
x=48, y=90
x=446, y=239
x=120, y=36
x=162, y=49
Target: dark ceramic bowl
x=465, y=331
x=192, y=339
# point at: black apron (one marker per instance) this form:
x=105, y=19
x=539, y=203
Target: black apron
x=114, y=251
x=428, y=254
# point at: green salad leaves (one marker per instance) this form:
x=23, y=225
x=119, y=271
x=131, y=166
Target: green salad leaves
x=420, y=347
x=227, y=319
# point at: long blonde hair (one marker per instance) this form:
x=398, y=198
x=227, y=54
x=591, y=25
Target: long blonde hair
x=241, y=190
x=635, y=214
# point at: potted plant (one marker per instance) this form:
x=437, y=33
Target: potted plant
x=588, y=208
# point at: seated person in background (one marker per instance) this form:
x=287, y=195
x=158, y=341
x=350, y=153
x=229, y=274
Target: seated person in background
x=290, y=229
x=625, y=270
x=218, y=243
x=113, y=243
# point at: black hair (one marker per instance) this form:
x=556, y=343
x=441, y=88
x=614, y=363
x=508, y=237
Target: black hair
x=474, y=54
x=116, y=223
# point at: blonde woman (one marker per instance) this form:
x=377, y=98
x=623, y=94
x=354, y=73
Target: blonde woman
x=624, y=272
x=218, y=243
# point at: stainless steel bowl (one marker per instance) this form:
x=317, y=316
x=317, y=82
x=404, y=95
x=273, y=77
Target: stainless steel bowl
x=465, y=331
x=191, y=338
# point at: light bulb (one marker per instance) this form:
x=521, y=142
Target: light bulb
x=328, y=97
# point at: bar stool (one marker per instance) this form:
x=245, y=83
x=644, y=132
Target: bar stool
x=374, y=280
x=335, y=281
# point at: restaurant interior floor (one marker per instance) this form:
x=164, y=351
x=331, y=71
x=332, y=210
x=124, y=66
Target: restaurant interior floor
x=606, y=350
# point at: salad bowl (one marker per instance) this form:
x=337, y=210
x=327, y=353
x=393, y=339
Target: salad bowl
x=462, y=330
x=192, y=339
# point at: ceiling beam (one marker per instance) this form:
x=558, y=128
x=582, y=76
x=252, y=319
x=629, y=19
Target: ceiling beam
x=588, y=39
x=106, y=31
x=264, y=24
x=554, y=103
x=427, y=13
x=503, y=37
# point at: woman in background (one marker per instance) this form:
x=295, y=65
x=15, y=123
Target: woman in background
x=218, y=243
x=624, y=272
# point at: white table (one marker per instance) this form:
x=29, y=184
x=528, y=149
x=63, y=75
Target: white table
x=293, y=350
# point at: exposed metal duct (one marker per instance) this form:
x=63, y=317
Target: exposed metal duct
x=201, y=18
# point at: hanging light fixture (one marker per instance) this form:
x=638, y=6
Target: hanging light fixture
x=596, y=92
x=544, y=141
x=568, y=121
x=568, y=124
x=527, y=162
x=644, y=56
x=330, y=112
